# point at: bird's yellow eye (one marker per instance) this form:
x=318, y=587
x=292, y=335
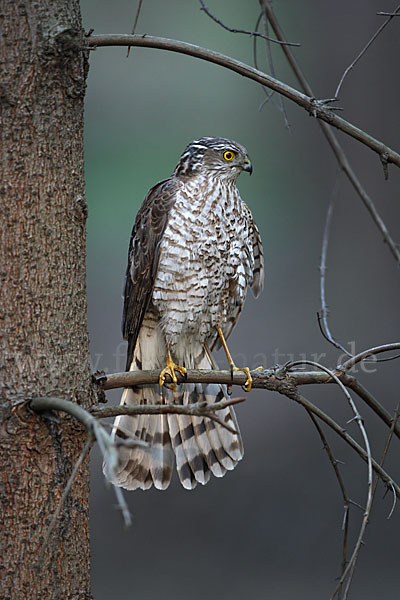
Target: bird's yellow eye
x=228, y=155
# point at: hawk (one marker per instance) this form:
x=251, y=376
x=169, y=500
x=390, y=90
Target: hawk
x=193, y=252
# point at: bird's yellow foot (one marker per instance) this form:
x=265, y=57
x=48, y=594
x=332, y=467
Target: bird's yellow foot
x=170, y=370
x=246, y=370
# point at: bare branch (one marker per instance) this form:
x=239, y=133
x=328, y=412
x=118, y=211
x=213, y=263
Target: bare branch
x=349, y=570
x=332, y=139
x=275, y=380
x=311, y=105
x=363, y=51
x=346, y=500
x=199, y=409
x=294, y=395
x=106, y=443
x=251, y=33
x=384, y=454
x=323, y=316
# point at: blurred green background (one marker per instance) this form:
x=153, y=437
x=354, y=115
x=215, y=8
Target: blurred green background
x=271, y=528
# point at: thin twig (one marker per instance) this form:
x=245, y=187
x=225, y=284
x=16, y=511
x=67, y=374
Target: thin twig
x=135, y=23
x=323, y=316
x=109, y=451
x=297, y=397
x=348, y=364
x=384, y=454
x=60, y=504
x=199, y=409
x=348, y=572
x=346, y=500
x=332, y=139
x=205, y=9
x=268, y=95
x=310, y=104
x=363, y=51
x=272, y=70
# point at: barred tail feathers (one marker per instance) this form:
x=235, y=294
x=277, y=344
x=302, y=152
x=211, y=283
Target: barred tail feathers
x=142, y=467
x=199, y=445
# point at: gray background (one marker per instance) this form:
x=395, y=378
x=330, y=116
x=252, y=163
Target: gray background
x=271, y=528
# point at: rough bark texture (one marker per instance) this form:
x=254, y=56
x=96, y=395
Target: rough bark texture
x=43, y=332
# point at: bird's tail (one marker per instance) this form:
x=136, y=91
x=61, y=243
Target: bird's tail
x=199, y=445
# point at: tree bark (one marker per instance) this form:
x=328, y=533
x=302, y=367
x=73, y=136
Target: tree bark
x=43, y=329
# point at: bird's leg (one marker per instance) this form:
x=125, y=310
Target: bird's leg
x=246, y=370
x=170, y=370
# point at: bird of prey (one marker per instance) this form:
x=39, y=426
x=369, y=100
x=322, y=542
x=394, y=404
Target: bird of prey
x=193, y=252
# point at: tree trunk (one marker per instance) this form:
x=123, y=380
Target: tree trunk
x=43, y=329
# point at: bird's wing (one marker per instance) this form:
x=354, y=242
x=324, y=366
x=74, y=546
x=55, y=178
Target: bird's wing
x=257, y=283
x=143, y=258
x=256, y=279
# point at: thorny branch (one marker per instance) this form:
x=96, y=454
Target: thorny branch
x=323, y=315
x=384, y=454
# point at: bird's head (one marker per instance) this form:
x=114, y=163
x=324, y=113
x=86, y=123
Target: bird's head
x=216, y=157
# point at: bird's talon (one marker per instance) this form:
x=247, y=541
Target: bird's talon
x=249, y=380
x=170, y=370
x=171, y=387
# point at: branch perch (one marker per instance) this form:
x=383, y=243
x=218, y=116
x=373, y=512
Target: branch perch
x=275, y=380
x=311, y=105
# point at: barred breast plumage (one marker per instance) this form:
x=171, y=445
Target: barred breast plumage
x=205, y=263
x=194, y=251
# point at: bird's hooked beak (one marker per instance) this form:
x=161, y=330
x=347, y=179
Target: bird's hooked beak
x=247, y=166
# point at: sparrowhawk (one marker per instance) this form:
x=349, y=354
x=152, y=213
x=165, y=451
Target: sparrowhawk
x=193, y=252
